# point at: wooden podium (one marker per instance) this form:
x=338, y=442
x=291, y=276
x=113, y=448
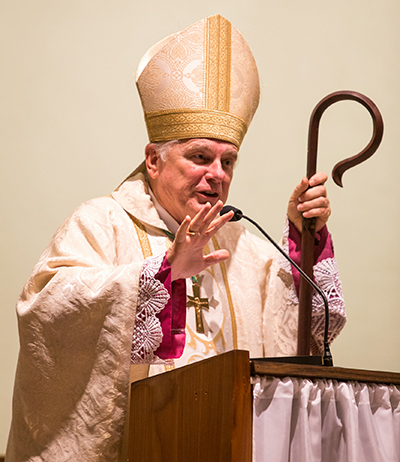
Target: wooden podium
x=203, y=411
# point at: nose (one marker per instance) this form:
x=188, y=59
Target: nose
x=215, y=171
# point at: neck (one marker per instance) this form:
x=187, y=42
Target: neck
x=165, y=216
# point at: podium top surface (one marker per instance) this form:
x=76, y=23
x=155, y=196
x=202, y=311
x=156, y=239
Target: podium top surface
x=240, y=359
x=281, y=369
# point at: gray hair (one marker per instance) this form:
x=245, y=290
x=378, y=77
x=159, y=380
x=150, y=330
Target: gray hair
x=163, y=148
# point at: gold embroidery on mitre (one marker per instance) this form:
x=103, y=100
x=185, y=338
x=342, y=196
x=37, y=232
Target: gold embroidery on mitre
x=195, y=123
x=217, y=68
x=201, y=82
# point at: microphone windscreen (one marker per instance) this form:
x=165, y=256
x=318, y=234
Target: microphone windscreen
x=238, y=214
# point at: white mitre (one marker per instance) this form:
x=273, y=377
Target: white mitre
x=199, y=83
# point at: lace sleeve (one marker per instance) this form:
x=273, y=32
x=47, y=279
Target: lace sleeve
x=326, y=275
x=152, y=298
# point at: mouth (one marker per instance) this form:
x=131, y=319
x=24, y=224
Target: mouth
x=208, y=196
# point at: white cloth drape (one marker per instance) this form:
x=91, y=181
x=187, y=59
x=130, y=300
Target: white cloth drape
x=300, y=420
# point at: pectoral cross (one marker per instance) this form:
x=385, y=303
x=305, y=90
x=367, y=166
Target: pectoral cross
x=199, y=304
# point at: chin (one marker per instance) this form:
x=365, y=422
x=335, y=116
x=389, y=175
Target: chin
x=194, y=210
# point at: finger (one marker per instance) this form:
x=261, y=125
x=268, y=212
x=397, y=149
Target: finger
x=313, y=193
x=316, y=207
x=218, y=223
x=319, y=202
x=211, y=215
x=181, y=234
x=323, y=213
x=319, y=178
x=300, y=189
x=197, y=221
x=216, y=257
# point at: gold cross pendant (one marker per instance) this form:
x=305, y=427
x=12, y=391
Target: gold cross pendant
x=199, y=304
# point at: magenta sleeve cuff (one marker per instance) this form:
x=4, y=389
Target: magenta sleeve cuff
x=323, y=248
x=173, y=316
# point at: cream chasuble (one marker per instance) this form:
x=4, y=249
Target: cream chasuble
x=77, y=313
x=251, y=296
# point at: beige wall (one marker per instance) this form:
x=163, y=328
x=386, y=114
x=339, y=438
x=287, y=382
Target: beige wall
x=72, y=129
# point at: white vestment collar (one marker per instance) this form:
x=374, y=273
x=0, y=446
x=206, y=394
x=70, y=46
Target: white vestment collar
x=171, y=223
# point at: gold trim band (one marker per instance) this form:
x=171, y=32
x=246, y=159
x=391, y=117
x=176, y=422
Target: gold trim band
x=217, y=63
x=228, y=294
x=142, y=236
x=195, y=123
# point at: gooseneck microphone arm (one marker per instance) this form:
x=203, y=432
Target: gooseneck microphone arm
x=238, y=215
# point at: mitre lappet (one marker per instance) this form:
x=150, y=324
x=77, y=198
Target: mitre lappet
x=201, y=82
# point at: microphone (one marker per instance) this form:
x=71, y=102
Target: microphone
x=237, y=214
x=327, y=356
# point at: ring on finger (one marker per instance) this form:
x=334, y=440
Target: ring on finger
x=191, y=232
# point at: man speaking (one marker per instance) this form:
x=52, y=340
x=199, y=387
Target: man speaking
x=151, y=277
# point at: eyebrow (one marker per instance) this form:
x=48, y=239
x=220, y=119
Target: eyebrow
x=235, y=154
x=193, y=147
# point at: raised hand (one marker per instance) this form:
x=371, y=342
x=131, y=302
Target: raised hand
x=186, y=253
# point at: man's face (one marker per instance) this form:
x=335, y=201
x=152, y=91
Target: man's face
x=195, y=172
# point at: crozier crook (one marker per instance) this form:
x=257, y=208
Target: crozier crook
x=308, y=232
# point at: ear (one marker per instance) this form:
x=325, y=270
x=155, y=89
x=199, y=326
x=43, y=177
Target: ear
x=153, y=161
